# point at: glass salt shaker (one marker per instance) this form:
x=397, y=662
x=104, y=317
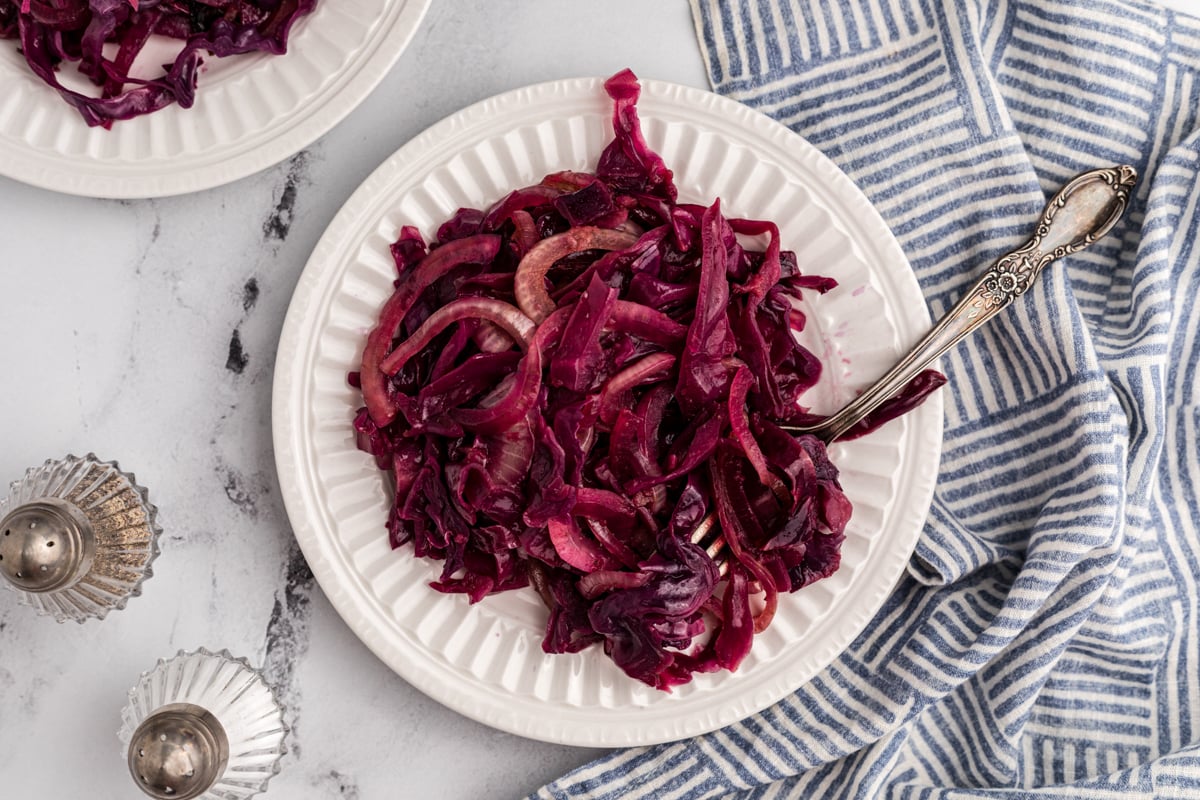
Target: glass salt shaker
x=203, y=725
x=77, y=537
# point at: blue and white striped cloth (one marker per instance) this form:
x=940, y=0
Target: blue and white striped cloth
x=1046, y=639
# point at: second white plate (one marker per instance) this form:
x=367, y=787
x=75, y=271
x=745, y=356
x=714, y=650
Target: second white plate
x=485, y=661
x=251, y=111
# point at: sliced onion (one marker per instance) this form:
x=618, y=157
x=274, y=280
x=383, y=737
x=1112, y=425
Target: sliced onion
x=525, y=232
x=609, y=540
x=604, y=505
x=739, y=423
x=509, y=319
x=576, y=549
x=530, y=282
x=471, y=250
x=477, y=374
x=499, y=463
x=619, y=389
x=597, y=583
x=737, y=630
x=491, y=339
x=646, y=323
x=514, y=404
x=732, y=527
x=519, y=391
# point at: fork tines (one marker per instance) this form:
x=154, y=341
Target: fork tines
x=708, y=536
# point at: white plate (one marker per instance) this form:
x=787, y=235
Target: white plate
x=251, y=111
x=485, y=661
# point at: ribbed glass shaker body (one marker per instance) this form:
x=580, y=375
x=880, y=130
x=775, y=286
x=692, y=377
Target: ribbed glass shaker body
x=77, y=538
x=190, y=703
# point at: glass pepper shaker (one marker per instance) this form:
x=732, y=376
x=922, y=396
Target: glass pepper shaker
x=77, y=537
x=203, y=725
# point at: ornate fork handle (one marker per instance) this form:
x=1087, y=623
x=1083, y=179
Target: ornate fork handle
x=1082, y=212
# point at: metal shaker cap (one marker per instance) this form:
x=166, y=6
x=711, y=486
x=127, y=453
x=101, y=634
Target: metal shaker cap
x=45, y=545
x=178, y=752
x=77, y=537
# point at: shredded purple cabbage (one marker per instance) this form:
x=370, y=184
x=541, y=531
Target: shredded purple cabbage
x=566, y=386
x=53, y=32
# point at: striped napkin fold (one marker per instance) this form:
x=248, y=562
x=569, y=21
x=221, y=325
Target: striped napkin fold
x=1045, y=641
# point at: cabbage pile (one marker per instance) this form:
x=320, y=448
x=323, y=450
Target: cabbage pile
x=566, y=386
x=53, y=32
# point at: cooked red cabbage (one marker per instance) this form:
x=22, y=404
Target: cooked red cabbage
x=53, y=32
x=565, y=386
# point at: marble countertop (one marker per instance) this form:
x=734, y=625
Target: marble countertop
x=145, y=331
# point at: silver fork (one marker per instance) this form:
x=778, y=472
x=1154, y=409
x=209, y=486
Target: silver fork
x=1080, y=214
